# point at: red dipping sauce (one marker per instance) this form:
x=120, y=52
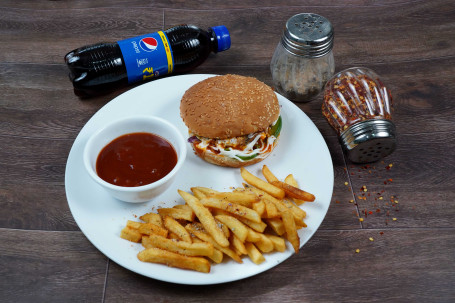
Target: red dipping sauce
x=136, y=159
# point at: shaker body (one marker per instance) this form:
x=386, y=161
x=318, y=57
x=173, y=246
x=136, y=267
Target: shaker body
x=300, y=78
x=359, y=107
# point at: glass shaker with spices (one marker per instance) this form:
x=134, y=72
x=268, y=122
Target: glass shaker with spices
x=303, y=59
x=359, y=107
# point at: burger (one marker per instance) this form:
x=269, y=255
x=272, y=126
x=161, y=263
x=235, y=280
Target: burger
x=232, y=120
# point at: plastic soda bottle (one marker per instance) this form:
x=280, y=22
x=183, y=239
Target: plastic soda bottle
x=103, y=67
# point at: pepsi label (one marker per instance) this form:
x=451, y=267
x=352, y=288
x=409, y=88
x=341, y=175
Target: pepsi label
x=147, y=56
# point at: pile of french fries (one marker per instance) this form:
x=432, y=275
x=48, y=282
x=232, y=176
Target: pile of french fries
x=250, y=220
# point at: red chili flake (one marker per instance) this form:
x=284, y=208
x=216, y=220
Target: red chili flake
x=378, y=210
x=370, y=212
x=381, y=233
x=390, y=180
x=385, y=182
x=336, y=201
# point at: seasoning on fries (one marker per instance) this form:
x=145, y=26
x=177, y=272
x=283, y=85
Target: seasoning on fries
x=252, y=221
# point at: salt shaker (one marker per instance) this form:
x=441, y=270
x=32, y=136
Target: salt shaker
x=303, y=59
x=359, y=107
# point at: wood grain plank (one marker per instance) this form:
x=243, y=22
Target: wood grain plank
x=366, y=38
x=71, y=28
x=44, y=36
x=35, y=207
x=194, y=5
x=38, y=266
x=395, y=267
x=418, y=190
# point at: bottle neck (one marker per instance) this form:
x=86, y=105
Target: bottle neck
x=213, y=41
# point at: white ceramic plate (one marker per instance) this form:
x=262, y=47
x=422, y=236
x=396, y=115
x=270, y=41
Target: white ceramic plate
x=301, y=151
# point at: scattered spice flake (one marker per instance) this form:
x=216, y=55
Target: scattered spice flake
x=351, y=201
x=346, y=183
x=361, y=219
x=394, y=219
x=371, y=239
x=357, y=251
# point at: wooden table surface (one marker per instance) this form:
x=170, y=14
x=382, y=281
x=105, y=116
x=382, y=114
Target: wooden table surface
x=44, y=257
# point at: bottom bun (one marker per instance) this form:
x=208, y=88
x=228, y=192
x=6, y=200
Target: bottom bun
x=228, y=161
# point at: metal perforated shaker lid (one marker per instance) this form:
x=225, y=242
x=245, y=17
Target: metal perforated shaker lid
x=369, y=140
x=308, y=35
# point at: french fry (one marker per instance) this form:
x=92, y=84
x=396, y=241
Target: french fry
x=205, y=190
x=297, y=211
x=238, y=245
x=233, y=208
x=207, y=238
x=278, y=243
x=292, y=181
x=198, y=193
x=131, y=234
x=294, y=192
x=261, y=184
x=277, y=225
x=175, y=227
x=156, y=255
x=268, y=175
x=254, y=254
x=291, y=230
x=259, y=227
x=150, y=228
x=264, y=244
x=206, y=218
x=181, y=247
x=270, y=209
x=217, y=256
x=237, y=227
x=300, y=224
x=280, y=205
x=133, y=224
x=173, y=236
x=223, y=227
x=183, y=206
x=259, y=207
x=177, y=213
x=243, y=198
x=152, y=218
x=253, y=236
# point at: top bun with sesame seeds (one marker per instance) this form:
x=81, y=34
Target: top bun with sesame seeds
x=233, y=120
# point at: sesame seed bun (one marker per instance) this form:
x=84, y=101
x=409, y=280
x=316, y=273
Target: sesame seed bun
x=229, y=106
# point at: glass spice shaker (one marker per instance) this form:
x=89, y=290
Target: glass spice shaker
x=303, y=59
x=359, y=107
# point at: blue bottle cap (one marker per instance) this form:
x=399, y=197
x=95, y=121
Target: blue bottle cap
x=223, y=37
